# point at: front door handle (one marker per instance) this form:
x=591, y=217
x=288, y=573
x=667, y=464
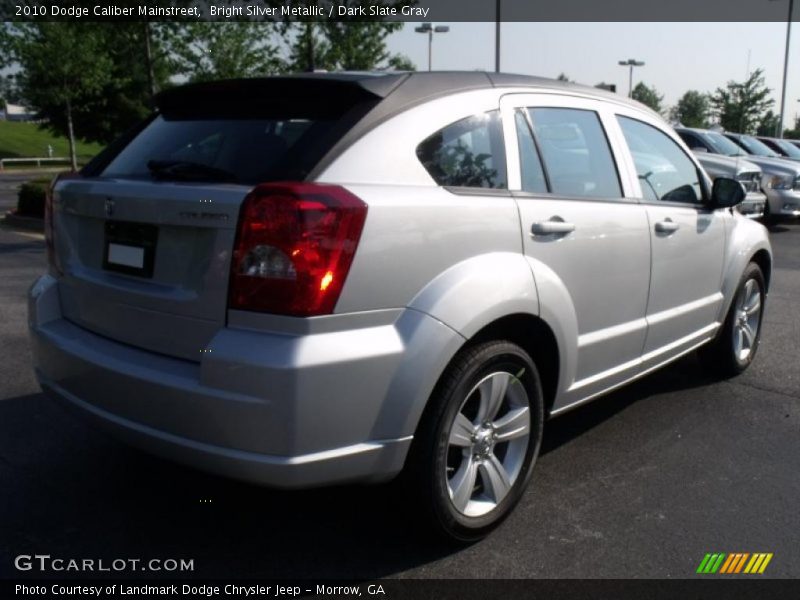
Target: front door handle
x=667, y=226
x=554, y=225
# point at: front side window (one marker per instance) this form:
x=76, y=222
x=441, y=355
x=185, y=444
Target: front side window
x=691, y=140
x=575, y=152
x=467, y=153
x=753, y=146
x=665, y=172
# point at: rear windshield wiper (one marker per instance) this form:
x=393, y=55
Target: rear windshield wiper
x=185, y=170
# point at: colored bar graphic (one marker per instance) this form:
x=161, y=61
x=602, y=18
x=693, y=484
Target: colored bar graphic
x=702, y=567
x=764, y=564
x=729, y=564
x=741, y=562
x=731, y=560
x=718, y=563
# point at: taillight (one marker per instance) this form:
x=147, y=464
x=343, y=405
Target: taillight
x=49, y=224
x=294, y=248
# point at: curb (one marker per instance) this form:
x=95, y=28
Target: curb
x=20, y=222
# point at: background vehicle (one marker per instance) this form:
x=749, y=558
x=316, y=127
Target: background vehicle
x=781, y=179
x=784, y=148
x=749, y=174
x=414, y=273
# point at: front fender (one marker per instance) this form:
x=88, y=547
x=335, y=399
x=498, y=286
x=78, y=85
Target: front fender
x=747, y=238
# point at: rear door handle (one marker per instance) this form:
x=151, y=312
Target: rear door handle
x=667, y=226
x=554, y=225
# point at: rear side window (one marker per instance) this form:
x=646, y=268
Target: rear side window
x=247, y=150
x=665, y=172
x=467, y=153
x=575, y=153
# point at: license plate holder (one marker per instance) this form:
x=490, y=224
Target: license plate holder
x=130, y=248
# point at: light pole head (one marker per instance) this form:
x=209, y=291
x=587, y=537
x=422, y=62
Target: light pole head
x=441, y=29
x=424, y=28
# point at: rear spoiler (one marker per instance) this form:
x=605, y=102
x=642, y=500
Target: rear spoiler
x=307, y=95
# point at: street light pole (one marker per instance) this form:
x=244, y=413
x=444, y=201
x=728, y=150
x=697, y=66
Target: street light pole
x=497, y=37
x=630, y=63
x=430, y=30
x=779, y=133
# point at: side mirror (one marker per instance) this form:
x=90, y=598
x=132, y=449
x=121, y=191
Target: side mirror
x=727, y=193
x=699, y=149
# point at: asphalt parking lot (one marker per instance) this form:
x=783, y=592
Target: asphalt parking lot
x=641, y=483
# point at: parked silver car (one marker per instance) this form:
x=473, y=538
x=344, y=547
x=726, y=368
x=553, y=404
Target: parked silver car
x=781, y=181
x=749, y=174
x=309, y=280
x=783, y=148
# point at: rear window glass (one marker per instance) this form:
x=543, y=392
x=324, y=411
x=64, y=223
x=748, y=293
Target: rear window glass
x=237, y=150
x=467, y=153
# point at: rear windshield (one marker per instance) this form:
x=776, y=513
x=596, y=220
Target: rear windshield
x=247, y=150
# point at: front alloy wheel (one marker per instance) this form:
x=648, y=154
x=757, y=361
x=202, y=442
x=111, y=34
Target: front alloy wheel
x=747, y=320
x=738, y=340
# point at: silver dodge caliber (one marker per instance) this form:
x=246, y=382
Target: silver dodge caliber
x=308, y=280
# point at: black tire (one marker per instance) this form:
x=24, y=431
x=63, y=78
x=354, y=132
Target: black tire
x=768, y=219
x=721, y=355
x=431, y=452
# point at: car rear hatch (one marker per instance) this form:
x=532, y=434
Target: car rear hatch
x=143, y=239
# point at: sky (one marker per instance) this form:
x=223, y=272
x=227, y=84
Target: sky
x=678, y=56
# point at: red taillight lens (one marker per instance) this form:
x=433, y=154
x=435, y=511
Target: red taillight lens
x=294, y=248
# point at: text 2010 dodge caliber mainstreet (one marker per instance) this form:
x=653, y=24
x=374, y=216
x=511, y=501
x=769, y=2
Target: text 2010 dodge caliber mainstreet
x=307, y=280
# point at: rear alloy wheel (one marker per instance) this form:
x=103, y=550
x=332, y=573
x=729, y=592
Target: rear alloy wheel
x=475, y=451
x=733, y=351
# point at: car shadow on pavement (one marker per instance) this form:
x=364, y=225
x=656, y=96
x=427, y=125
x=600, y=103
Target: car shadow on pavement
x=70, y=491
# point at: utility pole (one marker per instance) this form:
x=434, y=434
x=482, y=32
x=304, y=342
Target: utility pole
x=779, y=132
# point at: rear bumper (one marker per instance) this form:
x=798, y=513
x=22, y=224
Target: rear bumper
x=276, y=409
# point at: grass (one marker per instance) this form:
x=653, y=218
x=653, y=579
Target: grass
x=27, y=140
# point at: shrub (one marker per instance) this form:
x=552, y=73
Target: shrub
x=30, y=200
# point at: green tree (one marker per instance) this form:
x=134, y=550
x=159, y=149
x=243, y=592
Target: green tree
x=204, y=51
x=131, y=67
x=769, y=124
x=347, y=43
x=691, y=110
x=309, y=49
x=63, y=65
x=648, y=96
x=5, y=45
x=793, y=134
x=739, y=106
